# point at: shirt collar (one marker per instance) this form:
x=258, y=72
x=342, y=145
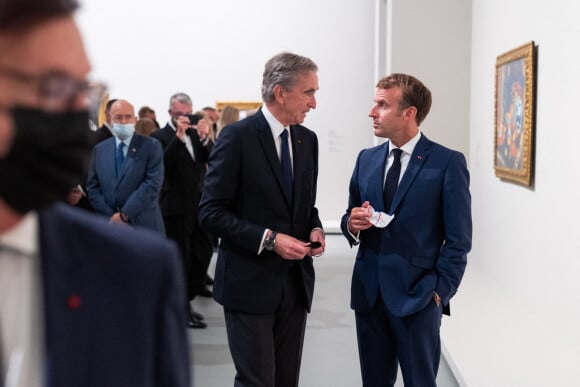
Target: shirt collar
x=23, y=237
x=409, y=146
x=275, y=125
x=126, y=141
x=170, y=124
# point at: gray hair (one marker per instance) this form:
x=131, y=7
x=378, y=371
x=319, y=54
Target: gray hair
x=181, y=98
x=283, y=69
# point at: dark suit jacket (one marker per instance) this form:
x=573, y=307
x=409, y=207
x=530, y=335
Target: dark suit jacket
x=113, y=301
x=135, y=191
x=424, y=248
x=243, y=196
x=181, y=191
x=101, y=134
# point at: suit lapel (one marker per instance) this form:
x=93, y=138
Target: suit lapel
x=269, y=148
x=418, y=158
x=377, y=171
x=298, y=162
x=66, y=297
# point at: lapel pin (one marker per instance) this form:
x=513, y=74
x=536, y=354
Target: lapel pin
x=73, y=301
x=420, y=157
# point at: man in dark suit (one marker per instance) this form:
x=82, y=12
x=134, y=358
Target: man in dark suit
x=414, y=237
x=106, y=130
x=126, y=174
x=259, y=198
x=82, y=302
x=186, y=150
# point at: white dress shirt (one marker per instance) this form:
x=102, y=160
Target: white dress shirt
x=186, y=140
x=21, y=305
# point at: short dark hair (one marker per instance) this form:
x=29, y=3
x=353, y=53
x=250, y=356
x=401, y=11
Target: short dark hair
x=22, y=14
x=110, y=104
x=413, y=93
x=144, y=110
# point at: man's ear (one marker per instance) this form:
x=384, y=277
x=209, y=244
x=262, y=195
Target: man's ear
x=410, y=112
x=279, y=94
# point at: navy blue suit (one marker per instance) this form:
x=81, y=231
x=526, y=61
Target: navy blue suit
x=423, y=250
x=113, y=315
x=135, y=192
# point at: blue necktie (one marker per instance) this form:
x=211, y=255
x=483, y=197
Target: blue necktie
x=119, y=158
x=392, y=180
x=286, y=164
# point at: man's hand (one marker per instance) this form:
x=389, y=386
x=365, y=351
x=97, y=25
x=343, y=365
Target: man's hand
x=116, y=218
x=291, y=248
x=202, y=129
x=317, y=236
x=182, y=125
x=359, y=219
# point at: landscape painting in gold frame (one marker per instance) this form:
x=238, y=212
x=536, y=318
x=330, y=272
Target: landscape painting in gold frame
x=514, y=114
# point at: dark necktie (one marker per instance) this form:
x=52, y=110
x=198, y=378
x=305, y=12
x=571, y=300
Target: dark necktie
x=286, y=163
x=392, y=180
x=119, y=158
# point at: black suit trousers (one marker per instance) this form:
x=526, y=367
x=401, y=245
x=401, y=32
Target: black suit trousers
x=267, y=348
x=196, y=249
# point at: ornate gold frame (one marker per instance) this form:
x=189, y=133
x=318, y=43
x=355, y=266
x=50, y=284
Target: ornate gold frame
x=241, y=105
x=515, y=114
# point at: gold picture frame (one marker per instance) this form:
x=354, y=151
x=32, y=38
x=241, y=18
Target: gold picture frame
x=515, y=114
x=241, y=105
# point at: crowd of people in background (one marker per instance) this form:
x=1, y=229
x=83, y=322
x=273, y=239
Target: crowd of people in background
x=105, y=300
x=134, y=187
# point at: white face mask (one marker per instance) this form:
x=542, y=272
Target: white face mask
x=123, y=131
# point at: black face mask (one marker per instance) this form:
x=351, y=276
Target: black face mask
x=48, y=157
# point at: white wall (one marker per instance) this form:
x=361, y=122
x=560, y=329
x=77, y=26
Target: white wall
x=515, y=319
x=431, y=40
x=146, y=50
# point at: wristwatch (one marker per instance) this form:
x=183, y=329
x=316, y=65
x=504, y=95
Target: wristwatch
x=270, y=242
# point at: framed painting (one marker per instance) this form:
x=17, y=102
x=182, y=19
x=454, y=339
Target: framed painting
x=245, y=107
x=515, y=114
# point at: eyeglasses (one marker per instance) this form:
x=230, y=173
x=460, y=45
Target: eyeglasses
x=57, y=90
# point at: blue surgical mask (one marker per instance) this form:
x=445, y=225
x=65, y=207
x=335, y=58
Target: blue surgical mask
x=123, y=131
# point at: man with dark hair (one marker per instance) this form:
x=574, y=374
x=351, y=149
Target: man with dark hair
x=82, y=302
x=259, y=198
x=105, y=131
x=414, y=236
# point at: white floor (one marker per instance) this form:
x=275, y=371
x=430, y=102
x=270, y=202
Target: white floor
x=330, y=356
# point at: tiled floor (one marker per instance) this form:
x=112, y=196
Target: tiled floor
x=330, y=357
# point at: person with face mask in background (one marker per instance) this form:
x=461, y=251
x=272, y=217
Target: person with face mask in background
x=82, y=302
x=126, y=174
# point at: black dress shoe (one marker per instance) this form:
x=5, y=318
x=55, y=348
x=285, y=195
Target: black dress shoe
x=208, y=280
x=195, y=324
x=204, y=292
x=197, y=316
x=193, y=315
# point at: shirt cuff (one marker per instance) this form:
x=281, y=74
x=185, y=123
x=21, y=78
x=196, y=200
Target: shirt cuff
x=262, y=246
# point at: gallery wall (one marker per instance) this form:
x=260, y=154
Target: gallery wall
x=146, y=50
x=515, y=318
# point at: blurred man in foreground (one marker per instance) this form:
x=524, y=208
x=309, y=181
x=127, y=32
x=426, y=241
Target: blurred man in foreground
x=82, y=302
